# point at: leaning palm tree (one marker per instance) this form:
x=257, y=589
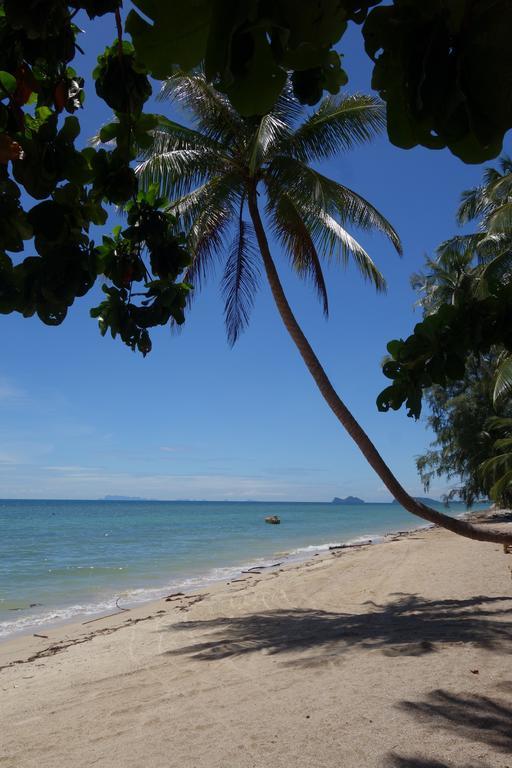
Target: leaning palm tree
x=226, y=165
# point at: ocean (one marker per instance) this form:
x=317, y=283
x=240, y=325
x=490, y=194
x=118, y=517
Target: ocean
x=64, y=560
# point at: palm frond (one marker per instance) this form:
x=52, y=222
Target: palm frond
x=505, y=164
x=240, y=281
x=493, y=274
x=290, y=229
x=184, y=136
x=304, y=184
x=500, y=220
x=339, y=124
x=287, y=107
x=501, y=189
x=177, y=171
x=501, y=486
x=211, y=111
x=335, y=242
x=177, y=160
x=499, y=423
x=206, y=214
x=503, y=381
x=270, y=131
x=503, y=444
x=458, y=252
x=474, y=203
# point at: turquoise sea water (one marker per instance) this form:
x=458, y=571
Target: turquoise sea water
x=65, y=559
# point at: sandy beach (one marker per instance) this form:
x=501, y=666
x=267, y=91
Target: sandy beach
x=396, y=655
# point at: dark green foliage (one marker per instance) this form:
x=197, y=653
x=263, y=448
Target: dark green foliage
x=70, y=187
x=96, y=7
x=247, y=48
x=452, y=357
x=466, y=296
x=437, y=351
x=459, y=417
x=443, y=69
x=120, y=260
x=122, y=84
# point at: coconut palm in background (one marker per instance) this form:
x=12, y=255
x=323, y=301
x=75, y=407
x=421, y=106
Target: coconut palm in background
x=473, y=264
x=498, y=469
x=228, y=165
x=466, y=267
x=491, y=205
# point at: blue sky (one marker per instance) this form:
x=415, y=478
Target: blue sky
x=82, y=416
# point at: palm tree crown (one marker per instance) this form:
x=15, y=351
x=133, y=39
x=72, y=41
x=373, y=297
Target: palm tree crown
x=473, y=264
x=209, y=171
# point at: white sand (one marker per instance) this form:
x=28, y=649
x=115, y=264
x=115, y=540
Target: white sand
x=396, y=655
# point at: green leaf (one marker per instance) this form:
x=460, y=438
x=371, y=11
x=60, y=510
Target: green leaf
x=258, y=84
x=7, y=83
x=177, y=37
x=503, y=382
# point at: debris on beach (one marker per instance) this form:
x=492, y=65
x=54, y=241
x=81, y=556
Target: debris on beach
x=350, y=546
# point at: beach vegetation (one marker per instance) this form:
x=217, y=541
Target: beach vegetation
x=464, y=373
x=461, y=416
x=466, y=297
x=497, y=470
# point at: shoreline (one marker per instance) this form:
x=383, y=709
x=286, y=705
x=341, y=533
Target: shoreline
x=407, y=640
x=297, y=556
x=76, y=632
x=36, y=624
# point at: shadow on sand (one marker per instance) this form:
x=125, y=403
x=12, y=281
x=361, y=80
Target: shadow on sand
x=408, y=625
x=395, y=761
x=470, y=716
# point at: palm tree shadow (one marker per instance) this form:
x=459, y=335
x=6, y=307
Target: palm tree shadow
x=408, y=625
x=471, y=716
x=396, y=761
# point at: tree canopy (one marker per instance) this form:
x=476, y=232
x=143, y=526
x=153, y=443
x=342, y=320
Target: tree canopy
x=460, y=416
x=69, y=190
x=442, y=68
x=467, y=298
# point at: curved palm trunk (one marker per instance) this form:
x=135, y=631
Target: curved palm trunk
x=344, y=416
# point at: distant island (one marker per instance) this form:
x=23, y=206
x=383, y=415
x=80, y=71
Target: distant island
x=356, y=500
x=124, y=498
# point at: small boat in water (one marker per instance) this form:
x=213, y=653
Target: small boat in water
x=273, y=520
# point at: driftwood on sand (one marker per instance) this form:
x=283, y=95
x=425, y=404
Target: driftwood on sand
x=350, y=546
